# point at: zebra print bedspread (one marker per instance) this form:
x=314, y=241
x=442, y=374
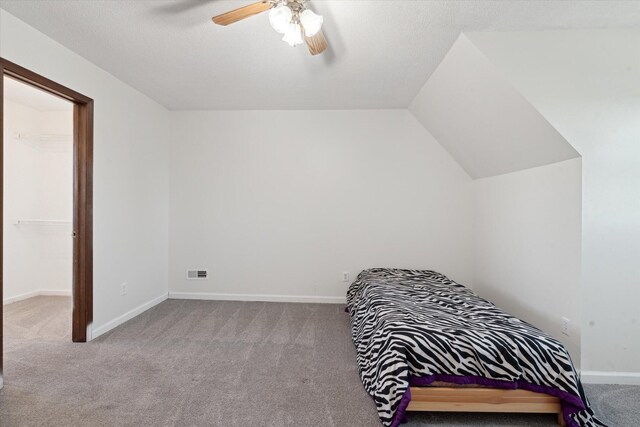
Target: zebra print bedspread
x=413, y=327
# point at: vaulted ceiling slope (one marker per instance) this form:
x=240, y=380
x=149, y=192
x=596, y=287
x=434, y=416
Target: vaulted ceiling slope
x=481, y=120
x=587, y=84
x=382, y=52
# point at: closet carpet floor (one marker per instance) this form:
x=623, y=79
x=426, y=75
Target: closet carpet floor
x=213, y=363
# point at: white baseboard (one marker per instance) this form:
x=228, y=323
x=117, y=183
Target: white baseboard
x=54, y=293
x=96, y=332
x=610, y=377
x=32, y=294
x=256, y=297
x=19, y=297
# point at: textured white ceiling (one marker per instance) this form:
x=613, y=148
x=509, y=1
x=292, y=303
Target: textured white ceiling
x=35, y=98
x=481, y=120
x=381, y=52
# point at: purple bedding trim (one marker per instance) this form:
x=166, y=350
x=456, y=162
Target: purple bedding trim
x=400, y=416
x=570, y=403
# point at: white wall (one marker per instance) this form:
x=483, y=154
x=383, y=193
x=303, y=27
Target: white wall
x=56, y=201
x=130, y=172
x=587, y=84
x=527, y=241
x=280, y=203
x=526, y=256
x=38, y=183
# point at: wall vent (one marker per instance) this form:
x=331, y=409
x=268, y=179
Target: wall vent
x=197, y=274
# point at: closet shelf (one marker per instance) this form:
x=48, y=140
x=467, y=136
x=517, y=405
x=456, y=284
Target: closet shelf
x=40, y=222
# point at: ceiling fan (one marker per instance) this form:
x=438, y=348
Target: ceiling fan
x=289, y=17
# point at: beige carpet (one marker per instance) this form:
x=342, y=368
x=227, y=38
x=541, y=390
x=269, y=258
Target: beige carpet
x=205, y=363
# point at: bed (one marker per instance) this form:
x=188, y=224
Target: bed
x=426, y=343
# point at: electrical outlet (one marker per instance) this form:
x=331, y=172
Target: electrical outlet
x=123, y=289
x=345, y=276
x=565, y=326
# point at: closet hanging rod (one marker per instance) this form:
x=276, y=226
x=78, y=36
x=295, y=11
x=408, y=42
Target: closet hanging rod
x=40, y=222
x=45, y=137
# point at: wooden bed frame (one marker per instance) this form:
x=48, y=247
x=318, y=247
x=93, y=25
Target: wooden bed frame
x=482, y=399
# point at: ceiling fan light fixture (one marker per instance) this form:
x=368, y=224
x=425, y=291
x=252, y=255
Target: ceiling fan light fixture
x=291, y=18
x=293, y=35
x=280, y=18
x=311, y=22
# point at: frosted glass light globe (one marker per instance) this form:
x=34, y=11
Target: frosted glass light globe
x=293, y=35
x=311, y=22
x=280, y=18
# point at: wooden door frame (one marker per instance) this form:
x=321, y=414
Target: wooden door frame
x=82, y=195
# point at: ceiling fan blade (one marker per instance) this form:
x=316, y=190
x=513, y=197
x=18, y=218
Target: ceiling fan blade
x=316, y=43
x=242, y=13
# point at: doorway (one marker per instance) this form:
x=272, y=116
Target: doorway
x=81, y=226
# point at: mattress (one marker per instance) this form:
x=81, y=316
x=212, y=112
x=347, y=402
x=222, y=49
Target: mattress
x=416, y=327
